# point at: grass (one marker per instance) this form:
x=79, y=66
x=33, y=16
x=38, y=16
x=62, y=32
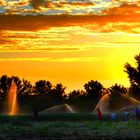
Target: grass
x=67, y=126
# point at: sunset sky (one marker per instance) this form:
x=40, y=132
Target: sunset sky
x=69, y=41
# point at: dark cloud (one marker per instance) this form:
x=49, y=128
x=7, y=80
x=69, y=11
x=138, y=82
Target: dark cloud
x=104, y=23
x=37, y=4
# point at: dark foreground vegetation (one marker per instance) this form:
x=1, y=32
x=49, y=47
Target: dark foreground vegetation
x=68, y=126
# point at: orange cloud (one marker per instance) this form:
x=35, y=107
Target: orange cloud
x=6, y=41
x=31, y=23
x=80, y=59
x=2, y=3
x=124, y=9
x=127, y=1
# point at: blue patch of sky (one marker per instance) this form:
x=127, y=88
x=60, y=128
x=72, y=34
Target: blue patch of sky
x=2, y=9
x=92, y=10
x=52, y=12
x=78, y=11
x=108, y=0
x=25, y=7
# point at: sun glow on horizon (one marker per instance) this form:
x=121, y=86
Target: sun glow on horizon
x=99, y=56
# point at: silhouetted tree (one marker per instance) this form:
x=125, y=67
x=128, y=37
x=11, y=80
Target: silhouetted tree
x=58, y=93
x=24, y=89
x=134, y=76
x=46, y=95
x=115, y=99
x=74, y=95
x=81, y=101
x=42, y=87
x=118, y=89
x=94, y=89
x=5, y=83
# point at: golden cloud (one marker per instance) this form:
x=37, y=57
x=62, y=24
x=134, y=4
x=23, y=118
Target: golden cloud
x=71, y=39
x=23, y=2
x=80, y=59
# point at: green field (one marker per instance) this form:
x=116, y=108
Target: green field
x=67, y=126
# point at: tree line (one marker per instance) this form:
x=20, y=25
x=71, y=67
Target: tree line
x=43, y=94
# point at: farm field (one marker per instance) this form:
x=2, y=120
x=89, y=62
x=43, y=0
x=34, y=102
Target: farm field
x=67, y=126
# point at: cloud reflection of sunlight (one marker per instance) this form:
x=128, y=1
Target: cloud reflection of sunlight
x=78, y=51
